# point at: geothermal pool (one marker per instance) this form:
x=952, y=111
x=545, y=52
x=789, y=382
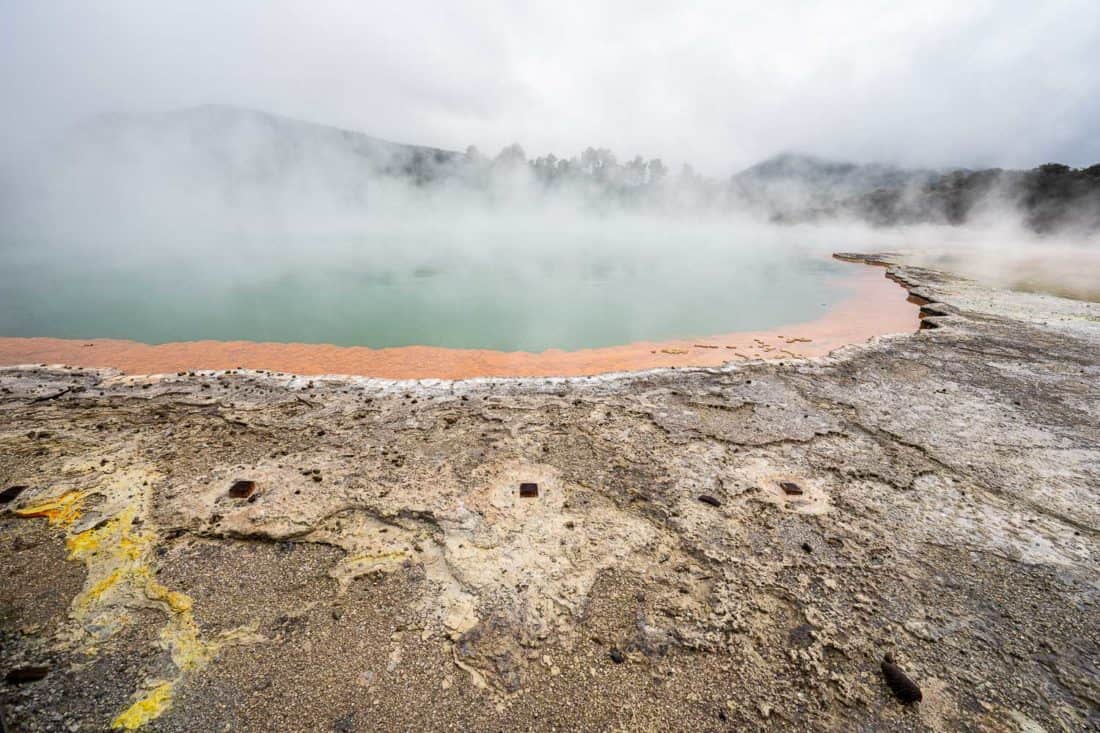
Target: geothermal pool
x=508, y=302
x=507, y=308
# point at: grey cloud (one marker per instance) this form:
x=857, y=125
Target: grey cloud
x=719, y=85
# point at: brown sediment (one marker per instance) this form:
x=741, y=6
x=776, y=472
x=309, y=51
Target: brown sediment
x=875, y=307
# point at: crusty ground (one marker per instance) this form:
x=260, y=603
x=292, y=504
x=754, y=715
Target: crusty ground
x=385, y=574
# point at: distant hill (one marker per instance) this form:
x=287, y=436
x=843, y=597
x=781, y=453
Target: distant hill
x=801, y=186
x=820, y=174
x=211, y=166
x=250, y=145
x=793, y=188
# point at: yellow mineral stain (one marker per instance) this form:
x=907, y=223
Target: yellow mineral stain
x=132, y=547
x=82, y=544
x=118, y=554
x=64, y=510
x=181, y=637
x=177, y=601
x=90, y=596
x=113, y=552
x=90, y=541
x=147, y=708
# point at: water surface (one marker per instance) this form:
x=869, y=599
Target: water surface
x=497, y=289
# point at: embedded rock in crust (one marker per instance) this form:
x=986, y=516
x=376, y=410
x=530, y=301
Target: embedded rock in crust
x=253, y=551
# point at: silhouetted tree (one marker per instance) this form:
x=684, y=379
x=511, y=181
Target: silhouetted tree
x=657, y=170
x=511, y=155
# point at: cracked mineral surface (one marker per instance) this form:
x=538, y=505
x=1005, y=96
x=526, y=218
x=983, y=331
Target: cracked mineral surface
x=253, y=551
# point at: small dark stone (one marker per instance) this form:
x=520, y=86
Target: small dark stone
x=708, y=499
x=790, y=488
x=616, y=655
x=528, y=490
x=806, y=547
x=801, y=636
x=31, y=673
x=9, y=494
x=904, y=688
x=346, y=724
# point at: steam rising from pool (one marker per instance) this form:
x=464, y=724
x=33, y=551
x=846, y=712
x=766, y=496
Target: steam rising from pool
x=517, y=282
x=195, y=228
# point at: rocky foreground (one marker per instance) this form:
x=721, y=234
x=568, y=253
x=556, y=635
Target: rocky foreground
x=692, y=549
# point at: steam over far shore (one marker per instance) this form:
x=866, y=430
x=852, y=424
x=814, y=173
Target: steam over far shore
x=241, y=184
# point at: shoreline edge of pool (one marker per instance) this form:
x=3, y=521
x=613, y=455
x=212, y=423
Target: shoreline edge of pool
x=876, y=306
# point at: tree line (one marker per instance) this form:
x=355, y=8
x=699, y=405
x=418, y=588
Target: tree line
x=1049, y=198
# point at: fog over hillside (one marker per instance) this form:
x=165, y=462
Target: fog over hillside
x=233, y=169
x=256, y=195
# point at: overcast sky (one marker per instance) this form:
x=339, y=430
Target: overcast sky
x=720, y=85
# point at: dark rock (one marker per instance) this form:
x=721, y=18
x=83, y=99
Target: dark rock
x=21, y=675
x=904, y=688
x=616, y=655
x=791, y=488
x=346, y=724
x=528, y=490
x=708, y=499
x=242, y=489
x=801, y=636
x=9, y=494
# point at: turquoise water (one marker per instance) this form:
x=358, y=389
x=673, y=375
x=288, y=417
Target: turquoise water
x=506, y=290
